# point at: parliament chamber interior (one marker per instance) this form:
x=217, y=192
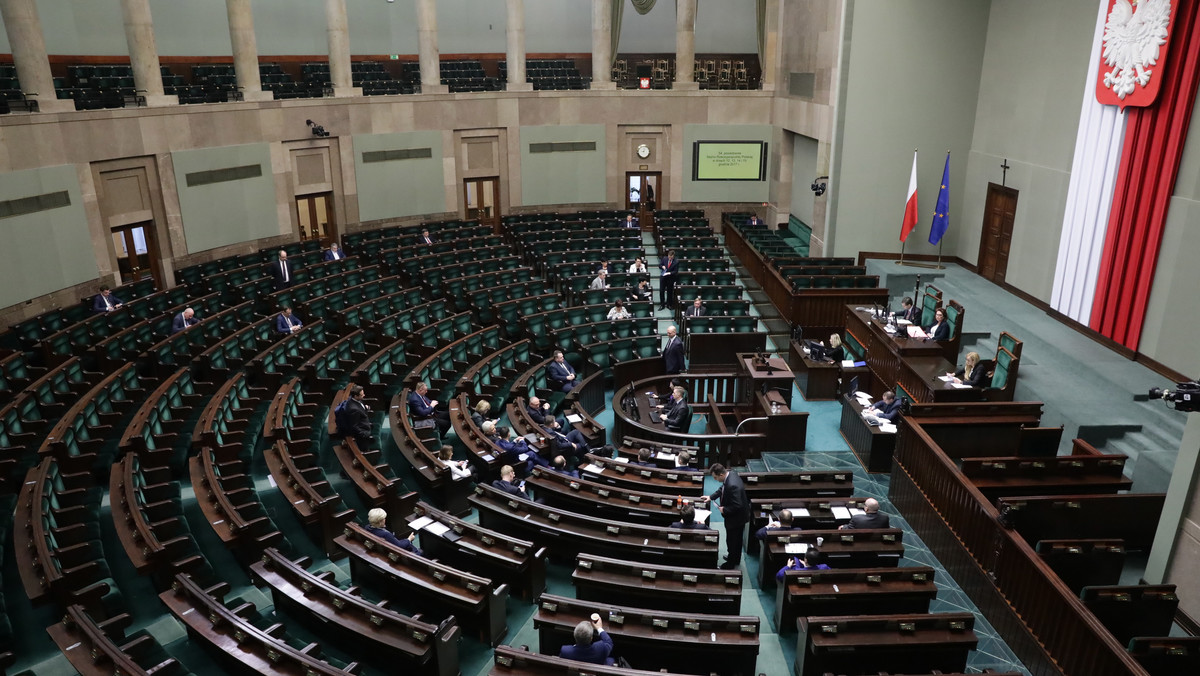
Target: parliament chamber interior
x=599, y=337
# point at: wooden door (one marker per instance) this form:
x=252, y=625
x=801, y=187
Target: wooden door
x=482, y=197
x=136, y=252
x=998, y=214
x=641, y=195
x=316, y=218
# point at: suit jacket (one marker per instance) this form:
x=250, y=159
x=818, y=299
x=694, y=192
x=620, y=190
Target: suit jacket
x=557, y=373
x=180, y=323
x=598, y=284
x=939, y=331
x=282, y=326
x=329, y=255
x=912, y=314
x=886, y=411
x=732, y=495
x=568, y=472
x=836, y=355
x=679, y=418
x=596, y=653
x=419, y=406
x=539, y=415
x=278, y=276
x=402, y=543
x=426, y=240
x=638, y=294
x=99, y=306
x=631, y=223
x=977, y=376
x=693, y=311
x=695, y=525
x=673, y=355
x=558, y=441
x=669, y=267
x=876, y=520
x=358, y=418
x=782, y=571
x=508, y=487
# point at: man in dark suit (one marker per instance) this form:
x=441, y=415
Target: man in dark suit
x=334, y=253
x=679, y=417
x=571, y=442
x=559, y=464
x=539, y=411
x=683, y=462
x=358, y=419
x=425, y=237
x=754, y=222
x=105, y=301
x=510, y=450
x=735, y=507
x=184, y=320
x=672, y=352
x=784, y=522
x=687, y=520
x=630, y=221
x=421, y=407
x=887, y=407
x=909, y=311
x=377, y=525
x=508, y=483
x=560, y=373
x=870, y=518
x=670, y=272
x=281, y=270
x=592, y=644
x=696, y=309
x=287, y=323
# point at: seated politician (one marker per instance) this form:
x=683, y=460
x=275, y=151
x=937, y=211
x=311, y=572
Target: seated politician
x=600, y=283
x=870, y=518
x=559, y=464
x=941, y=328
x=971, y=373
x=687, y=520
x=560, y=373
x=908, y=311
x=571, y=442
x=679, y=417
x=377, y=525
x=887, y=408
x=287, y=323
x=696, y=309
x=511, y=449
x=479, y=414
x=539, y=411
x=508, y=483
x=592, y=644
x=334, y=253
x=784, y=522
x=641, y=292
x=424, y=410
x=798, y=562
x=105, y=301
x=683, y=462
x=618, y=311
x=184, y=320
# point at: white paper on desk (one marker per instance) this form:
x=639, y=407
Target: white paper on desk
x=795, y=547
x=890, y=428
x=840, y=513
x=488, y=457
x=621, y=459
x=916, y=332
x=862, y=395
x=418, y=524
x=799, y=511
x=847, y=363
x=665, y=455
x=523, y=457
x=945, y=379
x=594, y=469
x=437, y=528
x=890, y=329
x=960, y=386
x=903, y=322
x=574, y=418
x=702, y=515
x=854, y=511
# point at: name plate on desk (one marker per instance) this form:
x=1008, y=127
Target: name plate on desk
x=691, y=625
x=660, y=623
x=690, y=579
x=612, y=530
x=649, y=574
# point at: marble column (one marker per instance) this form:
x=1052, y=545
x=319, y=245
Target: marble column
x=427, y=48
x=685, y=45
x=770, y=65
x=28, y=46
x=338, y=30
x=143, y=53
x=602, y=45
x=245, y=50
x=514, y=29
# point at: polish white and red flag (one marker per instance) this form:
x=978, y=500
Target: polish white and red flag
x=910, y=205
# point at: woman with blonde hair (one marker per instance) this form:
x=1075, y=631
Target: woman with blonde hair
x=479, y=415
x=971, y=373
x=835, y=353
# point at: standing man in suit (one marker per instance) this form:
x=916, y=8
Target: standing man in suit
x=679, y=417
x=184, y=320
x=666, y=290
x=421, y=407
x=870, y=518
x=377, y=525
x=358, y=419
x=735, y=507
x=672, y=352
x=334, y=253
x=287, y=323
x=592, y=643
x=696, y=309
x=282, y=271
x=560, y=373
x=105, y=301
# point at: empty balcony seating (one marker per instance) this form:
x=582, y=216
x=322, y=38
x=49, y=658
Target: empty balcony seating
x=467, y=76
x=550, y=74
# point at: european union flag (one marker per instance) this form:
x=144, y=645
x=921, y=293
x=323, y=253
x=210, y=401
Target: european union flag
x=941, y=213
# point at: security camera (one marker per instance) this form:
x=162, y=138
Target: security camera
x=317, y=130
x=819, y=185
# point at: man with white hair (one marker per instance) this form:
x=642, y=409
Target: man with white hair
x=377, y=525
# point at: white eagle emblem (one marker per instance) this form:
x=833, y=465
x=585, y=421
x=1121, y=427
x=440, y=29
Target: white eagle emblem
x=1131, y=41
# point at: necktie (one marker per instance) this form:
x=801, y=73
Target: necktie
x=107, y=305
x=283, y=266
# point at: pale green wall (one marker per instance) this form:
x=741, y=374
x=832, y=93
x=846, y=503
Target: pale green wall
x=1169, y=331
x=576, y=177
x=48, y=250
x=229, y=212
x=804, y=170
x=399, y=187
x=1029, y=117
x=724, y=191
x=911, y=81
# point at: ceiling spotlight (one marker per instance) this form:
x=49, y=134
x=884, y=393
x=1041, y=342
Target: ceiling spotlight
x=317, y=130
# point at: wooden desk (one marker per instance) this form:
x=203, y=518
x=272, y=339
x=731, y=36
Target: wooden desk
x=671, y=482
x=807, y=514
x=695, y=590
x=510, y=661
x=874, y=591
x=1084, y=563
x=871, y=445
x=920, y=377
x=821, y=380
x=1129, y=516
x=857, y=548
x=1133, y=610
x=773, y=374
x=657, y=639
x=875, y=643
x=885, y=350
